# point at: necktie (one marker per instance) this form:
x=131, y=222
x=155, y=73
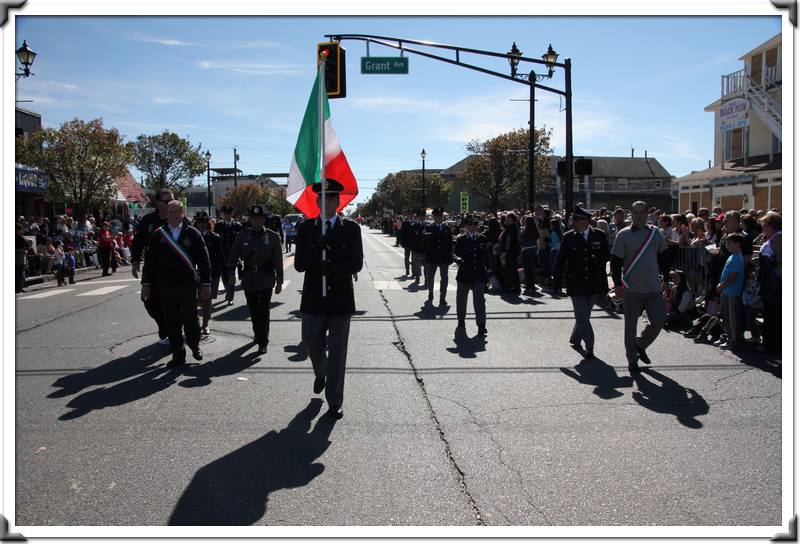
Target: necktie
x=327, y=226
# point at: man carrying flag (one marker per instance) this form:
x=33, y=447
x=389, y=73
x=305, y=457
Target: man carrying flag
x=328, y=247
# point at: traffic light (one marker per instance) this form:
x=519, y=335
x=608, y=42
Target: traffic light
x=335, y=75
x=561, y=168
x=583, y=167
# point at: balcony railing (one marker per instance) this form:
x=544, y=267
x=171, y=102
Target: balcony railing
x=734, y=83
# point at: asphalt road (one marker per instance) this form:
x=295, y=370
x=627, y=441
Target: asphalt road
x=516, y=430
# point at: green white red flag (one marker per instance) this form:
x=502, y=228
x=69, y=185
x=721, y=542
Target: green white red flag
x=305, y=169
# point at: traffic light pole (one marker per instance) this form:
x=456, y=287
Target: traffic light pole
x=532, y=146
x=570, y=162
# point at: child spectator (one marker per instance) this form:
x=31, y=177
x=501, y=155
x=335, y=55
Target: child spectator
x=730, y=288
x=680, y=302
x=69, y=265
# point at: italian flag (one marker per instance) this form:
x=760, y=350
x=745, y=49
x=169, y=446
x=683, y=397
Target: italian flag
x=305, y=169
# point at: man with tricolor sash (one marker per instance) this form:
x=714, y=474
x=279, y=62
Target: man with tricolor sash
x=638, y=256
x=177, y=263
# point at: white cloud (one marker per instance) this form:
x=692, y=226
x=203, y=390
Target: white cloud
x=398, y=103
x=50, y=85
x=166, y=100
x=139, y=37
x=254, y=44
x=256, y=68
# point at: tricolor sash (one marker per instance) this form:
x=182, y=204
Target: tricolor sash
x=180, y=252
x=626, y=270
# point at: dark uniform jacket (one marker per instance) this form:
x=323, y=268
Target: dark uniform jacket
x=164, y=266
x=405, y=234
x=416, y=237
x=261, y=253
x=474, y=258
x=144, y=232
x=228, y=234
x=438, y=244
x=215, y=255
x=345, y=258
x=273, y=223
x=584, y=262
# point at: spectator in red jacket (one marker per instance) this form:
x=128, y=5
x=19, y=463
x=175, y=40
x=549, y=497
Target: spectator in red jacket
x=105, y=245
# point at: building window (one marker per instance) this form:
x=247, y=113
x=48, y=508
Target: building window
x=600, y=184
x=775, y=146
x=657, y=184
x=622, y=184
x=734, y=147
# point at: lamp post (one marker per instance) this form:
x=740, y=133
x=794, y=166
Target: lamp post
x=208, y=174
x=550, y=58
x=235, y=169
x=423, y=155
x=26, y=57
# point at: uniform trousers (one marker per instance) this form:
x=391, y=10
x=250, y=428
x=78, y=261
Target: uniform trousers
x=155, y=310
x=406, y=258
x=430, y=272
x=179, y=303
x=582, y=307
x=633, y=304
x=478, y=300
x=328, y=355
x=417, y=257
x=258, y=303
x=230, y=287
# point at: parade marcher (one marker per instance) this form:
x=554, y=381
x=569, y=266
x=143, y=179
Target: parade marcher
x=473, y=257
x=177, y=262
x=141, y=241
x=105, y=247
x=638, y=255
x=227, y=229
x=405, y=241
x=273, y=222
x=329, y=314
x=583, y=256
x=214, y=246
x=438, y=254
x=417, y=244
x=261, y=253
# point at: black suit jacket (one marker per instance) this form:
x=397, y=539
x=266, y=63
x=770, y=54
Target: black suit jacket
x=228, y=234
x=163, y=265
x=345, y=257
x=474, y=258
x=438, y=244
x=584, y=262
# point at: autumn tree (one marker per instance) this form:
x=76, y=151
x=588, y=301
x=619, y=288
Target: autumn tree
x=402, y=191
x=499, y=166
x=244, y=196
x=167, y=160
x=81, y=159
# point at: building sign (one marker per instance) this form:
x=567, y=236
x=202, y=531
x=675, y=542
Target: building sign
x=384, y=65
x=388, y=212
x=733, y=113
x=732, y=180
x=464, y=202
x=29, y=180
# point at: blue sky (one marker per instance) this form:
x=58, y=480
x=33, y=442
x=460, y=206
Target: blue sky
x=245, y=81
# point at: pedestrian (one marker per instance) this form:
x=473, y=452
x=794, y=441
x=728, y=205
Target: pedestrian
x=583, y=256
x=730, y=287
x=405, y=238
x=509, y=248
x=329, y=312
x=214, y=246
x=147, y=226
x=417, y=244
x=177, y=262
x=554, y=247
x=438, y=255
x=58, y=262
x=638, y=255
x=228, y=229
x=473, y=254
x=69, y=265
x=529, y=239
x=105, y=247
x=261, y=253
x=20, y=259
x=288, y=233
x=770, y=264
x=272, y=221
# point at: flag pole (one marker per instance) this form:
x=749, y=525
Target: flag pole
x=321, y=121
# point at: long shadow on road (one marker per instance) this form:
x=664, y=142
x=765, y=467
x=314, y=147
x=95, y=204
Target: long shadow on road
x=670, y=398
x=601, y=375
x=232, y=363
x=235, y=489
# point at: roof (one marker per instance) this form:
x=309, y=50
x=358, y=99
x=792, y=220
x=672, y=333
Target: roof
x=769, y=44
x=756, y=164
x=458, y=168
x=226, y=171
x=609, y=167
x=129, y=190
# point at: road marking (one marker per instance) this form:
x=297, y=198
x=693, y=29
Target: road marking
x=288, y=261
x=401, y=253
x=395, y=286
x=124, y=280
x=102, y=291
x=46, y=294
x=383, y=285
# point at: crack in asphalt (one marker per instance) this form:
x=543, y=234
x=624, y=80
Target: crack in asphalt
x=716, y=383
x=500, y=451
x=400, y=345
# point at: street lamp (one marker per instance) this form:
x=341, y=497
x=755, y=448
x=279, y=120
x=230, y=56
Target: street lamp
x=423, y=155
x=208, y=173
x=25, y=56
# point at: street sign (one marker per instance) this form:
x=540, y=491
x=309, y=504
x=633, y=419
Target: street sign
x=464, y=202
x=384, y=65
x=734, y=124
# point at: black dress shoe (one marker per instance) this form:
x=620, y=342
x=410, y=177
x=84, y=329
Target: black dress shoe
x=336, y=412
x=230, y=303
x=643, y=355
x=443, y=302
x=262, y=348
x=197, y=353
x=482, y=331
x=589, y=354
x=319, y=385
x=178, y=359
x=634, y=369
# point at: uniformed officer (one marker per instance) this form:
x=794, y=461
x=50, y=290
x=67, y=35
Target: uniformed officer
x=177, y=262
x=141, y=240
x=215, y=255
x=417, y=243
x=261, y=253
x=227, y=229
x=273, y=221
x=329, y=314
x=405, y=241
x=438, y=254
x=583, y=256
x=473, y=258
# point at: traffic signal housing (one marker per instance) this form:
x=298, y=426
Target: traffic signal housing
x=335, y=74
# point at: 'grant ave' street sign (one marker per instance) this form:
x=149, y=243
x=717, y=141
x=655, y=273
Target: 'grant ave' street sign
x=384, y=65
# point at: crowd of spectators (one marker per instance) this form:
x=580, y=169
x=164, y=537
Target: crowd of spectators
x=711, y=299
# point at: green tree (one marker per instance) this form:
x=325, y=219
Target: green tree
x=244, y=196
x=499, y=168
x=81, y=159
x=167, y=160
x=402, y=191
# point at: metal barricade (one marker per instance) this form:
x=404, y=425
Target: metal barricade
x=696, y=264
